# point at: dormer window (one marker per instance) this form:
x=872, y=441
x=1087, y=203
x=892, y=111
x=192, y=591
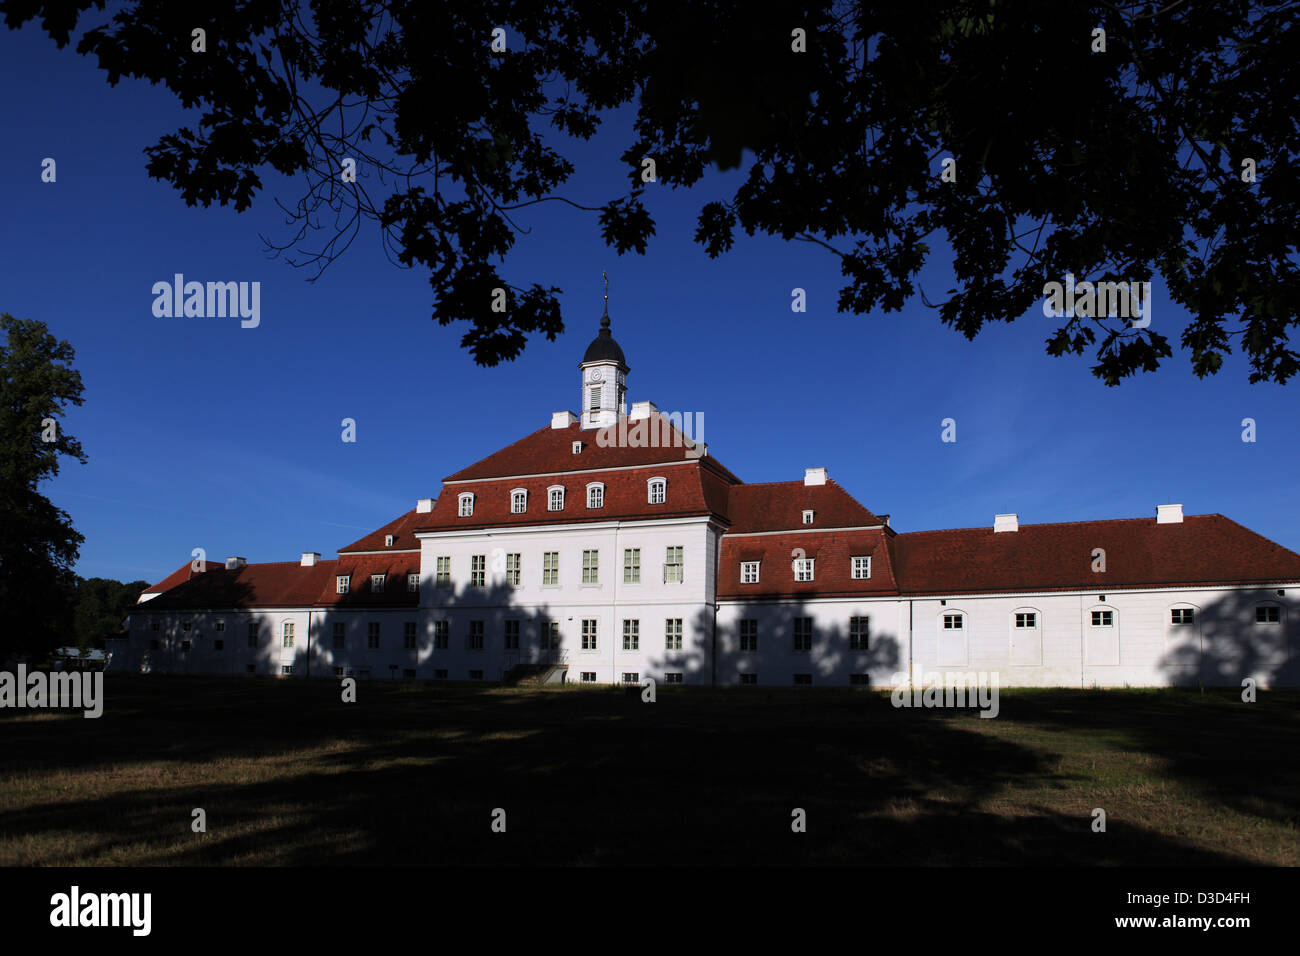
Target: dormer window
x=595, y=495
x=388, y=541
x=413, y=582
x=803, y=569
x=376, y=584
x=807, y=517
x=555, y=498
x=518, y=501
x=577, y=447
x=656, y=489
x=466, y=504
x=342, y=583
x=861, y=569
x=748, y=572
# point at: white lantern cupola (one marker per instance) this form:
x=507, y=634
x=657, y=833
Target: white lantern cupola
x=604, y=377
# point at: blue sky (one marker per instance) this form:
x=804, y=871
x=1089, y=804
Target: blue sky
x=203, y=434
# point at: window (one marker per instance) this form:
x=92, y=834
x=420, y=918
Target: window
x=475, y=636
x=338, y=672
x=1182, y=615
x=185, y=625
x=408, y=635
x=1103, y=618
x=221, y=626
x=656, y=491
x=512, y=635
x=376, y=584
x=749, y=572
x=388, y=541
x=1026, y=619
x=439, y=673
x=859, y=628
x=595, y=496
x=673, y=566
x=372, y=635
x=591, y=567
x=803, y=679
x=807, y=517
x=477, y=570
x=551, y=635
x=518, y=501
x=413, y=582
x=551, y=568
x=341, y=584
x=442, y=575
x=673, y=677
x=475, y=675
x=340, y=635
x=749, y=678
x=749, y=634
x=803, y=634
x=1268, y=614
x=441, y=635
x=153, y=625
x=861, y=569
x=673, y=634
x=631, y=635
x=589, y=677
x=555, y=498
x=466, y=504
x=218, y=645
x=287, y=633
x=588, y=634
x=803, y=569
x=252, y=634
x=631, y=565
x=594, y=403
x=286, y=669
x=512, y=568
x=952, y=622
x=631, y=677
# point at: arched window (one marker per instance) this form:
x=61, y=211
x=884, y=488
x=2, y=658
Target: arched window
x=951, y=649
x=1026, y=637
x=555, y=498
x=595, y=495
x=466, y=499
x=656, y=491
x=518, y=501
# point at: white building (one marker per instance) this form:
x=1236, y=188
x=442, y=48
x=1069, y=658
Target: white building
x=609, y=547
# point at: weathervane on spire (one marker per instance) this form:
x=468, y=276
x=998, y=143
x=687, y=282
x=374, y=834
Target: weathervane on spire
x=604, y=319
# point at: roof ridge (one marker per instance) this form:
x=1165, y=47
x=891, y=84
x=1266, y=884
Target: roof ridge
x=1059, y=524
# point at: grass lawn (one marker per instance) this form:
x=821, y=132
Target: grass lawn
x=411, y=774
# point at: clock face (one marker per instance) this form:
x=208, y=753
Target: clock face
x=596, y=375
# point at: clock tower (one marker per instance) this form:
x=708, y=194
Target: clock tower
x=604, y=377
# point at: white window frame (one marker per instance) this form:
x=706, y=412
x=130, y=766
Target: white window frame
x=591, y=566
x=551, y=499
x=746, y=567
x=750, y=638
x=551, y=568
x=1094, y=612
x=1268, y=606
x=631, y=634
x=413, y=582
x=465, y=506
x=797, y=632
x=342, y=583
x=855, y=567
x=805, y=569
x=590, y=633
x=952, y=621
x=377, y=583
x=631, y=565
x=673, y=631
x=677, y=576
x=595, y=494
x=808, y=516
x=518, y=501
x=514, y=568
x=659, y=484
x=478, y=570
x=442, y=571
x=859, y=632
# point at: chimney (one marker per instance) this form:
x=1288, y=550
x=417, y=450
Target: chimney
x=562, y=419
x=884, y=519
x=1169, y=514
x=423, y=505
x=309, y=558
x=234, y=564
x=814, y=476
x=1006, y=523
x=642, y=410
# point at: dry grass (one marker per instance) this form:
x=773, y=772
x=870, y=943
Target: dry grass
x=288, y=774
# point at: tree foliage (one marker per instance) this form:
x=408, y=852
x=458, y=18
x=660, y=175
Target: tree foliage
x=1110, y=166
x=102, y=604
x=38, y=544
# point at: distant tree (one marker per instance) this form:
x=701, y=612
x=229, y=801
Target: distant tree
x=38, y=544
x=102, y=604
x=1103, y=139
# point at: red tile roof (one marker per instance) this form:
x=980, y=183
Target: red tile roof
x=689, y=492
x=402, y=529
x=777, y=553
x=779, y=506
x=178, y=576
x=550, y=451
x=1202, y=549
